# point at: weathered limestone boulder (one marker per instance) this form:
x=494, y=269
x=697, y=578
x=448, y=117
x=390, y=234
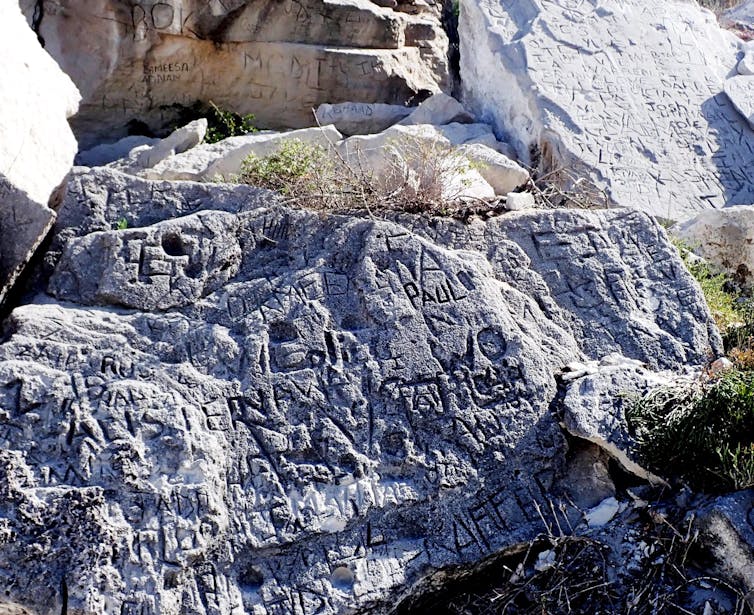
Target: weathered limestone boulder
x=423, y=153
x=144, y=65
x=36, y=147
x=595, y=401
x=740, y=91
x=728, y=531
x=105, y=153
x=439, y=109
x=244, y=406
x=224, y=158
x=725, y=237
x=352, y=118
x=500, y=172
x=626, y=93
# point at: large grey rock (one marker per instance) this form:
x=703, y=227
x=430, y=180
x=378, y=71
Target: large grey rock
x=595, y=401
x=243, y=406
x=147, y=62
x=36, y=144
x=625, y=93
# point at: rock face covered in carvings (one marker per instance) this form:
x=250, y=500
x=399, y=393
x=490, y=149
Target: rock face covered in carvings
x=36, y=144
x=143, y=62
x=628, y=93
x=247, y=408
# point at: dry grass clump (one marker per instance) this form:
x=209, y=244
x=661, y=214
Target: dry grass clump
x=415, y=175
x=653, y=568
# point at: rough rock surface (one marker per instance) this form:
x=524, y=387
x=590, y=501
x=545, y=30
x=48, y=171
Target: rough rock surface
x=143, y=62
x=595, y=401
x=724, y=237
x=628, y=93
x=740, y=91
x=37, y=146
x=728, y=524
x=246, y=408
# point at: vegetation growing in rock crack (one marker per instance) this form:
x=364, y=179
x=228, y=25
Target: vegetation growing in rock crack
x=418, y=176
x=703, y=431
x=731, y=305
x=222, y=124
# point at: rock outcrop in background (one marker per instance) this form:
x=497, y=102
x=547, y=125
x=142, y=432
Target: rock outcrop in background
x=36, y=143
x=626, y=93
x=148, y=62
x=233, y=406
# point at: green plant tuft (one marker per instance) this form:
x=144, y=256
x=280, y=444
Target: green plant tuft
x=121, y=224
x=292, y=166
x=222, y=124
x=731, y=307
x=701, y=432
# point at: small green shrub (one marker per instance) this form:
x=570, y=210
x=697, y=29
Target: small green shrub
x=702, y=432
x=292, y=168
x=222, y=124
x=416, y=176
x=731, y=307
x=122, y=224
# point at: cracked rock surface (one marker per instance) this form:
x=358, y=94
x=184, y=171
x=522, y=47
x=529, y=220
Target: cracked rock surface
x=231, y=406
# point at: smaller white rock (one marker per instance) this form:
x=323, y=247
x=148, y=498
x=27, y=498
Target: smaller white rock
x=545, y=560
x=516, y=201
x=353, y=118
x=746, y=65
x=503, y=174
x=602, y=513
x=224, y=158
x=740, y=91
x=419, y=150
x=721, y=365
x=489, y=139
x=178, y=142
x=438, y=109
